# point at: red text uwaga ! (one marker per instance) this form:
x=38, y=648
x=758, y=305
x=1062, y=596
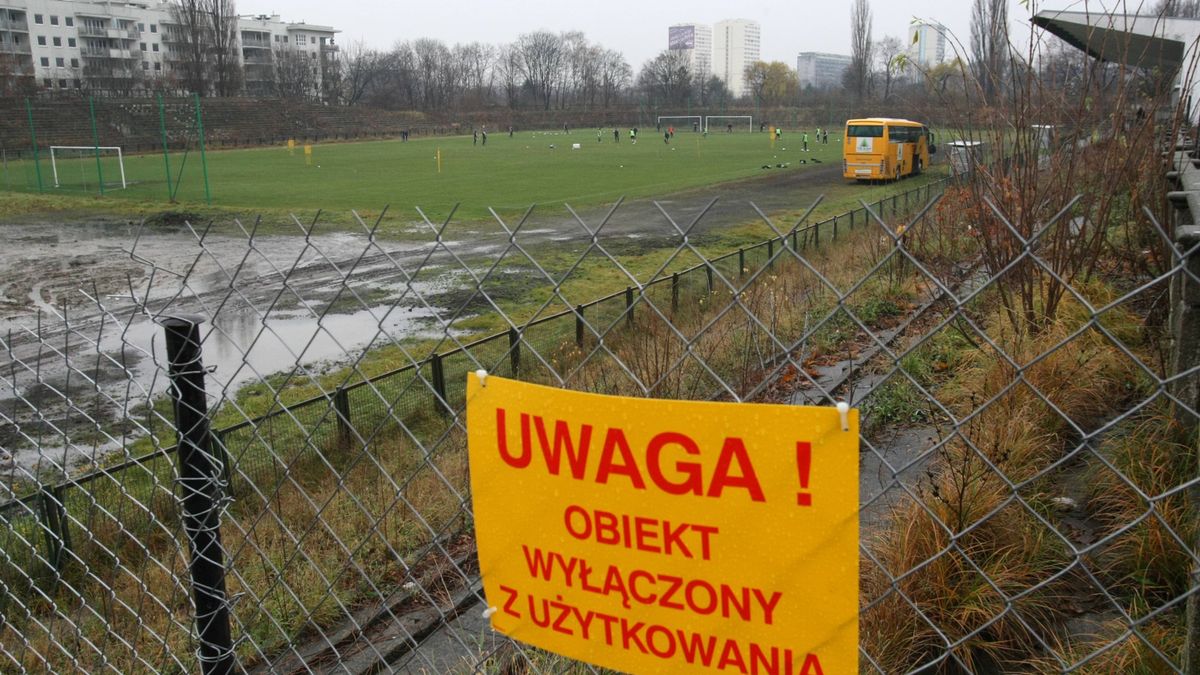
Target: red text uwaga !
x=574, y=451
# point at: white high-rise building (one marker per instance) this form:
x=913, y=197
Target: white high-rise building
x=927, y=44
x=736, y=44
x=121, y=46
x=819, y=70
x=695, y=40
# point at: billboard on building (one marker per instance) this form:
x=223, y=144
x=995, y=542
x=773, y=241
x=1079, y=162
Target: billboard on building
x=681, y=37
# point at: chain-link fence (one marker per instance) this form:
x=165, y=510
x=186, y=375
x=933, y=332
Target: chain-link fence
x=1028, y=463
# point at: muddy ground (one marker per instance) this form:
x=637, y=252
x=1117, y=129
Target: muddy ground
x=77, y=296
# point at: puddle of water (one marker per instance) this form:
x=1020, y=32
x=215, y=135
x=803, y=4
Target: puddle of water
x=240, y=348
x=244, y=346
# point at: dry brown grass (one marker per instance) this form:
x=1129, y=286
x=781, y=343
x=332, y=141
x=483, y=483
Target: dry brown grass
x=1142, y=506
x=952, y=559
x=1113, y=648
x=786, y=305
x=325, y=541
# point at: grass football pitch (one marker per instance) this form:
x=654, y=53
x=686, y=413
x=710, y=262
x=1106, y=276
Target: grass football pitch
x=507, y=174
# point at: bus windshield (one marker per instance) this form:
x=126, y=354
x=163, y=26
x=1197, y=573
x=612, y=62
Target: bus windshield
x=865, y=131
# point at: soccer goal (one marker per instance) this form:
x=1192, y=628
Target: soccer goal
x=693, y=121
x=729, y=123
x=87, y=167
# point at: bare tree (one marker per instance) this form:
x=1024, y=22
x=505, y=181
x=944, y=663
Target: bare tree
x=189, y=28
x=475, y=64
x=1184, y=9
x=295, y=75
x=667, y=78
x=712, y=91
x=16, y=78
x=541, y=57
x=615, y=76
x=891, y=54
x=207, y=59
x=402, y=80
x=989, y=45
x=223, y=50
x=431, y=65
x=862, y=49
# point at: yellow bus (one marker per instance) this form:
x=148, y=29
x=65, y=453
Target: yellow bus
x=880, y=148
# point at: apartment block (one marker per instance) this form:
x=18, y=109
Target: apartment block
x=694, y=40
x=124, y=47
x=736, y=45
x=927, y=44
x=820, y=70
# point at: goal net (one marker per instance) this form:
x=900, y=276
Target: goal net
x=88, y=168
x=682, y=122
x=731, y=123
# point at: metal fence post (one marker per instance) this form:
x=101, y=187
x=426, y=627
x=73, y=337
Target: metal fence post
x=629, y=305
x=341, y=406
x=200, y=482
x=675, y=291
x=708, y=272
x=741, y=262
x=221, y=451
x=835, y=224
x=579, y=325
x=55, y=527
x=1185, y=356
x=514, y=351
x=438, y=374
x=817, y=234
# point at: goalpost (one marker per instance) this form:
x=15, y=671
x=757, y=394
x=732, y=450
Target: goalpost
x=85, y=152
x=699, y=121
x=726, y=120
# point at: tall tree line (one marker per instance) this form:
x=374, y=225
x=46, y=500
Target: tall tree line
x=539, y=70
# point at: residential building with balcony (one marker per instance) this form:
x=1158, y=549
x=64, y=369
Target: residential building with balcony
x=120, y=47
x=16, y=51
x=280, y=57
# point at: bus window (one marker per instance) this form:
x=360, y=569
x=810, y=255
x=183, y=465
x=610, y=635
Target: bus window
x=865, y=131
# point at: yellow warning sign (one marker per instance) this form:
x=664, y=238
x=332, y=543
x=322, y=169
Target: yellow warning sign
x=655, y=536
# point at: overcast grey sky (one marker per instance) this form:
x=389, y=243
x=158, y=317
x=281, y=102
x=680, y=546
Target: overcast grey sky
x=637, y=28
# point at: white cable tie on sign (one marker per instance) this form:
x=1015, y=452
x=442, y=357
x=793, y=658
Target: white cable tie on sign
x=482, y=375
x=487, y=613
x=843, y=409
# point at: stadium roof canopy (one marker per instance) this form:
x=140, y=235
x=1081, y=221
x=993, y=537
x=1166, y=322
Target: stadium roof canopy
x=1142, y=41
